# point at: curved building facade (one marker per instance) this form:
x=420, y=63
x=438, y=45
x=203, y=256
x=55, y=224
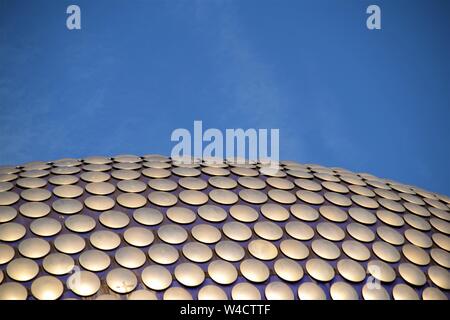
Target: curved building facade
x=149, y=227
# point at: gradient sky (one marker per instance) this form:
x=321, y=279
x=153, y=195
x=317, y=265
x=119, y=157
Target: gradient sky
x=341, y=95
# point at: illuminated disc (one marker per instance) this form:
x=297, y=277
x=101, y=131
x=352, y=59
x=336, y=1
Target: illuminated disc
x=45, y=227
x=230, y=251
x=325, y=249
x=222, y=272
x=13, y=291
x=360, y=232
x=181, y=215
x=281, y=196
x=391, y=205
x=280, y=183
x=254, y=270
x=390, y=218
x=121, y=280
x=27, y=183
x=35, y=194
x=132, y=186
x=206, y=233
x=441, y=257
x=263, y=250
x=274, y=212
x=418, y=238
x=268, y=230
x=439, y=276
x=330, y=231
x=22, y=269
x=58, y=264
x=371, y=292
x=95, y=176
x=308, y=184
x=186, y=172
x=197, y=252
x=142, y=294
x=193, y=183
x=114, y=219
x=310, y=197
x=34, y=209
x=67, y=206
x=417, y=222
x=412, y=274
x=130, y=257
x=319, y=269
x=245, y=291
x=310, y=291
x=138, y=237
x=338, y=199
x=291, y=248
x=365, y=202
x=431, y=293
x=288, y=270
x=356, y=250
x=333, y=213
x=222, y=182
x=80, y=223
x=381, y=271
x=34, y=248
x=83, y=283
x=94, y=260
x=189, y=274
x=440, y=225
x=125, y=174
x=212, y=292
x=100, y=188
x=252, y=183
x=343, y=291
x=99, y=203
x=299, y=230
x=47, y=288
x=163, y=253
x=212, y=213
x=131, y=200
x=385, y=251
x=68, y=191
x=148, y=216
x=12, y=231
x=404, y=292
x=361, y=215
x=104, y=240
x=252, y=196
x=223, y=196
x=237, y=231
x=177, y=293
x=6, y=253
x=416, y=255
x=351, y=270
x=162, y=184
x=195, y=198
x=304, y=212
x=69, y=243
x=172, y=234
x=244, y=213
x=278, y=291
x=162, y=199
x=156, y=277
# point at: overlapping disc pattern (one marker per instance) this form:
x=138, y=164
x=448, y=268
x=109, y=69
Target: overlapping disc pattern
x=151, y=227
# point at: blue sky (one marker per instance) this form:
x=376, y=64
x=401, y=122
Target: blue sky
x=341, y=95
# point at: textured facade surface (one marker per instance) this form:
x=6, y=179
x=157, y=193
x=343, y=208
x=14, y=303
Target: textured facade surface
x=132, y=227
